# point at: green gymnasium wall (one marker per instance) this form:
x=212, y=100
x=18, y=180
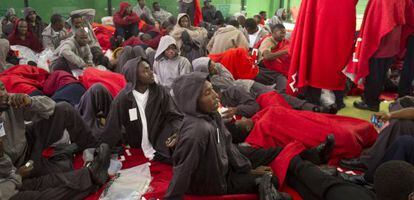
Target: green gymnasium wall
x=46, y=8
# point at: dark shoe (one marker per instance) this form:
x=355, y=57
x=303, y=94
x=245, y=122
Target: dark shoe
x=353, y=164
x=341, y=106
x=99, y=166
x=364, y=106
x=320, y=154
x=267, y=190
x=328, y=110
x=325, y=149
x=329, y=170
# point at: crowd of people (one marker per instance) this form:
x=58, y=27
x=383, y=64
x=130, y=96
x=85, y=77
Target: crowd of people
x=235, y=105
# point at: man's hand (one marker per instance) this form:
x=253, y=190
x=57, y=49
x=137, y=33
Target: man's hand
x=383, y=116
x=172, y=141
x=24, y=171
x=19, y=100
x=262, y=170
x=229, y=113
x=245, y=124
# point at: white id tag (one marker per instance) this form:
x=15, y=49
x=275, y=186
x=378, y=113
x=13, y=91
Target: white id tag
x=133, y=114
x=2, y=131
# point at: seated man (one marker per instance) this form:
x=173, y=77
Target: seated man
x=83, y=19
x=160, y=14
x=275, y=50
x=24, y=37
x=401, y=123
x=146, y=112
x=35, y=23
x=76, y=184
x=126, y=21
x=8, y=22
x=143, y=11
x=207, y=163
x=168, y=64
x=402, y=149
x=55, y=33
x=73, y=53
x=255, y=32
x=226, y=38
x=209, y=11
x=4, y=50
x=55, y=133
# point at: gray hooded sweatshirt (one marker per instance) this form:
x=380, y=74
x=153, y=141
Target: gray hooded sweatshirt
x=223, y=79
x=167, y=70
x=204, y=155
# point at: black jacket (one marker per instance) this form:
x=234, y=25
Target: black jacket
x=204, y=154
x=163, y=117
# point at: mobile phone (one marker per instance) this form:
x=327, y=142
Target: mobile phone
x=377, y=123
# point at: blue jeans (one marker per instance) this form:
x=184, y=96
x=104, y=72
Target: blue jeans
x=127, y=31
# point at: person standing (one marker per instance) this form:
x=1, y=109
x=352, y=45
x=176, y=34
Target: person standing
x=386, y=27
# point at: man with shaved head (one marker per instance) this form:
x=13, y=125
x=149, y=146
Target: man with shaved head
x=73, y=53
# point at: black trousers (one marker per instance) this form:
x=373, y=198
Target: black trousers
x=401, y=149
x=313, y=184
x=71, y=185
x=42, y=134
x=374, y=83
x=407, y=74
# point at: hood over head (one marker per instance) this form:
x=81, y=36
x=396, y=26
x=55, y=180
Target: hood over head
x=129, y=53
x=10, y=12
x=27, y=11
x=187, y=88
x=123, y=6
x=181, y=15
x=129, y=70
x=165, y=42
x=201, y=64
x=279, y=12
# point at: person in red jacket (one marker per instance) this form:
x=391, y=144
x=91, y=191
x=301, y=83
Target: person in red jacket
x=126, y=21
x=21, y=35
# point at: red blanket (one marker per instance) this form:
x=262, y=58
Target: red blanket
x=380, y=18
x=103, y=34
x=321, y=44
x=23, y=79
x=279, y=125
x=238, y=62
x=114, y=82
